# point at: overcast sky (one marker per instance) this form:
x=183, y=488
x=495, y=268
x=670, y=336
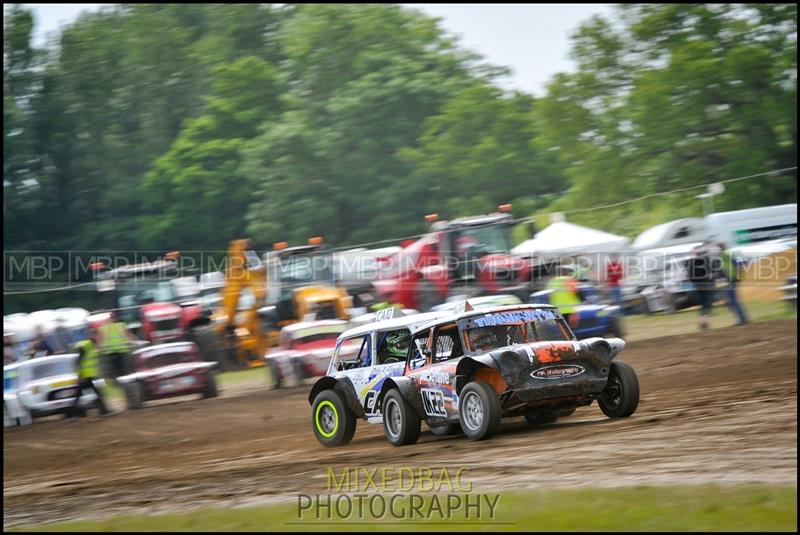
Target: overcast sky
x=531, y=39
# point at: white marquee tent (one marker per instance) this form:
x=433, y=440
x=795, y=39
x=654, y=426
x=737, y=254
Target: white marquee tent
x=569, y=238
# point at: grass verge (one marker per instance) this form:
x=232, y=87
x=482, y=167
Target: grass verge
x=687, y=508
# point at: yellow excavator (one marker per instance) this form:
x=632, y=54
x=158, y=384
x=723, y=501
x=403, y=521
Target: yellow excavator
x=259, y=298
x=235, y=337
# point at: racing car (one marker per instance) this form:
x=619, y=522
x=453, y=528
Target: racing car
x=474, y=367
x=43, y=386
x=591, y=317
x=305, y=350
x=167, y=370
x=363, y=359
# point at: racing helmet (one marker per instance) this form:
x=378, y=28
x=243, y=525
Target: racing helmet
x=397, y=343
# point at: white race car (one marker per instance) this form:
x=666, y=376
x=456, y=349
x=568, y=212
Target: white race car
x=41, y=387
x=364, y=357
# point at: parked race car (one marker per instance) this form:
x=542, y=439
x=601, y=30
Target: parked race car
x=363, y=359
x=475, y=367
x=168, y=370
x=43, y=386
x=305, y=350
x=592, y=317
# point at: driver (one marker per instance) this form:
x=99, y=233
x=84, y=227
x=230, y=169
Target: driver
x=396, y=346
x=482, y=340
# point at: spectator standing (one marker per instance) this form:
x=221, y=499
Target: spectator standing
x=614, y=274
x=730, y=268
x=701, y=274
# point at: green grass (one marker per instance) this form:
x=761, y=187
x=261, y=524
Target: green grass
x=698, y=508
x=641, y=327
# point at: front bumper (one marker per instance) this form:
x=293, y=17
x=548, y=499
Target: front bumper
x=582, y=374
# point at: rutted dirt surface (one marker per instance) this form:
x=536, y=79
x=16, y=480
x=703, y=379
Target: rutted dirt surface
x=716, y=407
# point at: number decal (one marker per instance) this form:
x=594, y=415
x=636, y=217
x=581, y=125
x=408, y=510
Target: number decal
x=433, y=402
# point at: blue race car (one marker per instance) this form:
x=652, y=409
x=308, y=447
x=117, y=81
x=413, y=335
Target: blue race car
x=593, y=317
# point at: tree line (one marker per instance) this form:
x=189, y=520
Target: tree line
x=182, y=126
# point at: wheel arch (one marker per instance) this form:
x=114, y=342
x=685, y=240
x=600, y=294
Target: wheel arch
x=407, y=389
x=341, y=385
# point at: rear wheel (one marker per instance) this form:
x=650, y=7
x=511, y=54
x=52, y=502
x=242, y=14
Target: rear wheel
x=208, y=341
x=334, y=424
x=479, y=410
x=620, y=397
x=615, y=329
x=401, y=423
x=134, y=395
x=211, y=388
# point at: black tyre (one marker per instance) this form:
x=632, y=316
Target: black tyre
x=334, y=424
x=445, y=430
x=274, y=374
x=615, y=329
x=401, y=423
x=211, y=388
x=542, y=418
x=479, y=410
x=427, y=296
x=134, y=396
x=208, y=341
x=620, y=397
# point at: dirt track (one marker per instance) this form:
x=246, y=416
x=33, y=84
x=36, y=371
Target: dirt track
x=716, y=407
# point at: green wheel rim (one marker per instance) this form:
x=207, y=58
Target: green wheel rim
x=332, y=408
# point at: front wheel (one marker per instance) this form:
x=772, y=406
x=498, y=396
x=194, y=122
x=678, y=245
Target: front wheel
x=620, y=397
x=401, y=423
x=479, y=410
x=334, y=424
x=134, y=395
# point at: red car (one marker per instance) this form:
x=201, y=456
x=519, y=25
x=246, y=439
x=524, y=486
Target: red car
x=305, y=351
x=168, y=370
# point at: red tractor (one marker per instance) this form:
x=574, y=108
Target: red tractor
x=150, y=300
x=468, y=256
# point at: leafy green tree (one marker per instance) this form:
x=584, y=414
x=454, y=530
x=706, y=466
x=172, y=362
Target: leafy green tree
x=363, y=79
x=481, y=146
x=673, y=96
x=195, y=195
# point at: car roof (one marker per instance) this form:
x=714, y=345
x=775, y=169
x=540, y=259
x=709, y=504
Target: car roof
x=483, y=302
x=330, y=325
x=44, y=360
x=411, y=321
x=160, y=349
x=450, y=317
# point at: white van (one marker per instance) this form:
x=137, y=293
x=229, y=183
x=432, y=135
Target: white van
x=678, y=232
x=744, y=227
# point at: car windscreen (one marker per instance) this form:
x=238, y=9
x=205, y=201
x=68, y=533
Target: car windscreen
x=495, y=330
x=168, y=359
x=49, y=369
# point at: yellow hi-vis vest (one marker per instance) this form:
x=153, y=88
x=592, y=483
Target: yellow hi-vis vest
x=89, y=365
x=564, y=296
x=114, y=339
